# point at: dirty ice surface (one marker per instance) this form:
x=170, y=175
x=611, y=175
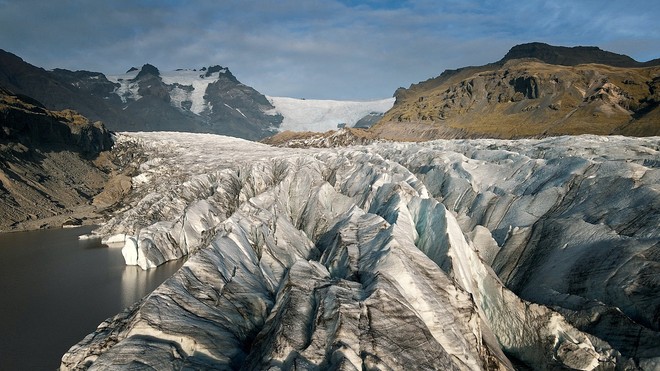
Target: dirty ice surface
x=452, y=254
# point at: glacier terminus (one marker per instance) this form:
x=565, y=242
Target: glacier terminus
x=476, y=254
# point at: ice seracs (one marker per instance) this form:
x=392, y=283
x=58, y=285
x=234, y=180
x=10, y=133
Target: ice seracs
x=458, y=255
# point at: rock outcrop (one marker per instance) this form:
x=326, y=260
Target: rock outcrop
x=573, y=56
x=46, y=160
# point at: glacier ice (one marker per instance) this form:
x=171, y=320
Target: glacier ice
x=461, y=254
x=323, y=115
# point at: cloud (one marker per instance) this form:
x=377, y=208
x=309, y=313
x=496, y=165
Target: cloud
x=316, y=49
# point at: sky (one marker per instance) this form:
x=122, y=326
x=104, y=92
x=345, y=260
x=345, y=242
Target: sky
x=325, y=49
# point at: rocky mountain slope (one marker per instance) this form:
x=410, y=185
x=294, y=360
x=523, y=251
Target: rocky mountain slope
x=462, y=255
x=206, y=100
x=535, y=90
x=46, y=158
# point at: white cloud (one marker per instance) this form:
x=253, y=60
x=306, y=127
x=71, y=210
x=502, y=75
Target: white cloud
x=314, y=49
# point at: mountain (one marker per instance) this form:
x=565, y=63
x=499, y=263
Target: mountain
x=452, y=254
x=46, y=161
x=535, y=90
x=205, y=100
x=573, y=56
x=85, y=92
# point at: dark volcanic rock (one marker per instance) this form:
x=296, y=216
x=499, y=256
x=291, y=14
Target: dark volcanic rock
x=213, y=69
x=86, y=92
x=570, y=56
x=527, y=86
x=36, y=127
x=368, y=120
x=147, y=70
x=93, y=83
x=241, y=108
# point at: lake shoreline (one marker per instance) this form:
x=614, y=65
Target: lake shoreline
x=58, y=288
x=85, y=214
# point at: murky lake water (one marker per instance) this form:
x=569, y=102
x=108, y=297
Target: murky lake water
x=55, y=289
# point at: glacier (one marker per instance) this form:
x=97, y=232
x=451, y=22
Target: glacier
x=451, y=254
x=319, y=115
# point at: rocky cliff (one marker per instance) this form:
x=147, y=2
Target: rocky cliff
x=46, y=158
x=205, y=100
x=535, y=90
x=573, y=56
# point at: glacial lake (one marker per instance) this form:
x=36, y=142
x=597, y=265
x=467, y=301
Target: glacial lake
x=56, y=289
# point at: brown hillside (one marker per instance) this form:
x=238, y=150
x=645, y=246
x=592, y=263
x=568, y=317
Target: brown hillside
x=535, y=90
x=526, y=97
x=47, y=163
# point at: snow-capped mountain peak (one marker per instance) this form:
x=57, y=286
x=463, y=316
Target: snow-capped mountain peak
x=186, y=87
x=206, y=95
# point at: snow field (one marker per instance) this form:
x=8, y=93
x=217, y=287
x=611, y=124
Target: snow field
x=323, y=115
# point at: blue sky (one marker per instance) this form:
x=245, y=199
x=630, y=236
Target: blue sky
x=326, y=49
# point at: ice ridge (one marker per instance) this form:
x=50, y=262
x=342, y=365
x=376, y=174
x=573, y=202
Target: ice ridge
x=444, y=255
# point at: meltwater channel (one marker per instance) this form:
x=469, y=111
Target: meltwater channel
x=55, y=289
